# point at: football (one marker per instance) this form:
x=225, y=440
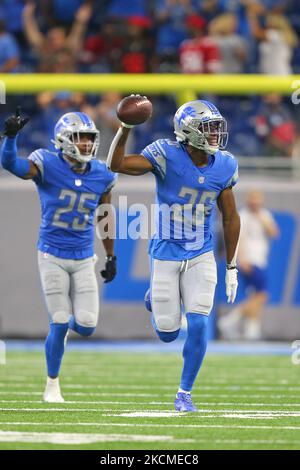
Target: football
x=134, y=109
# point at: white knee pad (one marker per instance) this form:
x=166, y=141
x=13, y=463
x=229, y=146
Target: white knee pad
x=61, y=317
x=167, y=323
x=87, y=319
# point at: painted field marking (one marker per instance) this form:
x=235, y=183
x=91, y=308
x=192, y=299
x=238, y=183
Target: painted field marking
x=114, y=402
x=151, y=387
x=202, y=413
x=137, y=394
x=153, y=425
x=77, y=438
x=236, y=414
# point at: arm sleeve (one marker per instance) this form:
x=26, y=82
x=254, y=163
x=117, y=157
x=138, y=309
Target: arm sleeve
x=10, y=160
x=112, y=182
x=156, y=155
x=232, y=174
x=38, y=159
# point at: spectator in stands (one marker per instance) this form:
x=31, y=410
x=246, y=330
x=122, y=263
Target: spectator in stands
x=170, y=18
x=11, y=12
x=9, y=51
x=61, y=11
x=231, y=45
x=52, y=106
x=57, y=52
x=258, y=228
x=200, y=54
x=136, y=53
x=275, y=126
x=277, y=41
x=274, y=6
x=120, y=9
x=210, y=9
x=103, y=50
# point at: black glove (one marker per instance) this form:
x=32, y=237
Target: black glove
x=15, y=123
x=110, y=268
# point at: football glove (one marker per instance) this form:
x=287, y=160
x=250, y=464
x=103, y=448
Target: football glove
x=231, y=282
x=110, y=269
x=14, y=124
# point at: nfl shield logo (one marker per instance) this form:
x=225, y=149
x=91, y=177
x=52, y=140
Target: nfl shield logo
x=201, y=179
x=78, y=182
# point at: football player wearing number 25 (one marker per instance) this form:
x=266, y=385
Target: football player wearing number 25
x=71, y=184
x=192, y=174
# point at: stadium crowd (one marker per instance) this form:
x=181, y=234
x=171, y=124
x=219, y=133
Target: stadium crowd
x=156, y=36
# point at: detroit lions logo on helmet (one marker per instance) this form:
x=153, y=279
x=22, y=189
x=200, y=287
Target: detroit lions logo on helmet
x=200, y=124
x=184, y=113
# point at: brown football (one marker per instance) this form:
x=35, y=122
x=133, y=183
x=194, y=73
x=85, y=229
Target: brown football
x=134, y=109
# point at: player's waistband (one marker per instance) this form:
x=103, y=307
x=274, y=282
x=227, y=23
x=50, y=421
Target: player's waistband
x=66, y=253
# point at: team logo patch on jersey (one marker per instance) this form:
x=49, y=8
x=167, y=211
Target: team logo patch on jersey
x=78, y=182
x=201, y=179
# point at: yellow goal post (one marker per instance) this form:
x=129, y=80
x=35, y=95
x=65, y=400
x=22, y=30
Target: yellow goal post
x=184, y=87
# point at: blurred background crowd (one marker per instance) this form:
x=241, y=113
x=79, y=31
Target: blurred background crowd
x=156, y=36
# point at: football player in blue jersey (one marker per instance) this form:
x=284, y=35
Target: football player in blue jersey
x=71, y=184
x=192, y=174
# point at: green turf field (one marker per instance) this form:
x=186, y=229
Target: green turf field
x=125, y=401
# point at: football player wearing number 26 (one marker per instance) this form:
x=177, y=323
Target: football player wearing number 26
x=192, y=174
x=71, y=184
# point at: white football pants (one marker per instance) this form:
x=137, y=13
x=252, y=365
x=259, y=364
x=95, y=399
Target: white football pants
x=70, y=287
x=190, y=283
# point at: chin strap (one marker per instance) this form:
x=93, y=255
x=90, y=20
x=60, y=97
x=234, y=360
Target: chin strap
x=76, y=165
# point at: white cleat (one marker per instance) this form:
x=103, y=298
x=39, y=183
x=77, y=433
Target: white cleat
x=52, y=392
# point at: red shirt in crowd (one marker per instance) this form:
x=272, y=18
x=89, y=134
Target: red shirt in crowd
x=200, y=55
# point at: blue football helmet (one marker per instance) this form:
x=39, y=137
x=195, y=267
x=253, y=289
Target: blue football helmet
x=200, y=124
x=67, y=134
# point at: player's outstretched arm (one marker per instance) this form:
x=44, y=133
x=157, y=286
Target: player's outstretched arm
x=118, y=162
x=231, y=228
x=10, y=161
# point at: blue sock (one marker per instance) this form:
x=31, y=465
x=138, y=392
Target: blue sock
x=194, y=349
x=81, y=330
x=55, y=348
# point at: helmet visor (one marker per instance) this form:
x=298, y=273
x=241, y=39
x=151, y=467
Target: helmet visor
x=85, y=142
x=215, y=132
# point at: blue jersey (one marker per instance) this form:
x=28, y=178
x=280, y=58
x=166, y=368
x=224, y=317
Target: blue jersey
x=68, y=203
x=186, y=230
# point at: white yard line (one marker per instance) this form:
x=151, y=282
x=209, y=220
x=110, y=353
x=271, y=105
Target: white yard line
x=114, y=402
x=152, y=425
x=202, y=413
x=77, y=438
x=155, y=387
x=126, y=394
x=236, y=414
